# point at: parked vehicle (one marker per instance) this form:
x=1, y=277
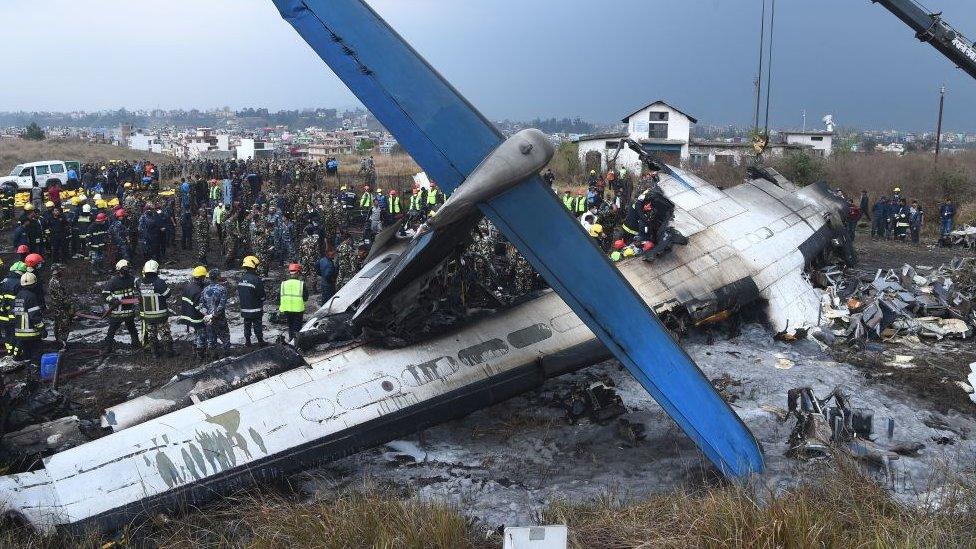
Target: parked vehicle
x=44, y=173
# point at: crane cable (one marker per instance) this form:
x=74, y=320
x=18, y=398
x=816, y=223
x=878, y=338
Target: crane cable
x=769, y=65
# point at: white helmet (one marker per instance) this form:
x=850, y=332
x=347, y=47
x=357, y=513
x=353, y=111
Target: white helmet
x=151, y=266
x=121, y=264
x=28, y=279
x=97, y=197
x=86, y=208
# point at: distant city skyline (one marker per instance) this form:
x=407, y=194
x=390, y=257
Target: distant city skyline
x=513, y=59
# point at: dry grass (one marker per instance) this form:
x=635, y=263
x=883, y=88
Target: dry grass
x=837, y=507
x=16, y=151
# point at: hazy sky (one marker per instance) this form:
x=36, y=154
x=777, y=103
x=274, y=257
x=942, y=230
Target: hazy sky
x=597, y=59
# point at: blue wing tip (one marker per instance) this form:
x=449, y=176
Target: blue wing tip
x=291, y=9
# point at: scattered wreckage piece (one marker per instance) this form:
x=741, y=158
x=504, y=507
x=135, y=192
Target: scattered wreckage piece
x=821, y=429
x=901, y=302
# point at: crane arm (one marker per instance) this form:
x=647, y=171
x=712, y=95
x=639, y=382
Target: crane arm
x=929, y=27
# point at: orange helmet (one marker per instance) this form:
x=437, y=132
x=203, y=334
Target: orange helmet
x=294, y=268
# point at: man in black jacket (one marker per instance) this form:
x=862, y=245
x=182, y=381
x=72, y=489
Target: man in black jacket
x=191, y=312
x=120, y=296
x=29, y=327
x=250, y=291
x=154, y=309
x=9, y=289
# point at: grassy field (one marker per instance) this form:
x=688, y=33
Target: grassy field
x=17, y=151
x=836, y=507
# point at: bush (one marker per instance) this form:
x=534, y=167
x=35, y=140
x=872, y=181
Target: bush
x=801, y=168
x=33, y=132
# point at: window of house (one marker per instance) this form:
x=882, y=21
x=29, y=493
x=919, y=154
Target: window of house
x=725, y=159
x=816, y=138
x=658, y=131
x=612, y=144
x=699, y=159
x=659, y=116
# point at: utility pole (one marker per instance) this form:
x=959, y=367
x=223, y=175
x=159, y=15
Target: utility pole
x=938, y=131
x=804, y=120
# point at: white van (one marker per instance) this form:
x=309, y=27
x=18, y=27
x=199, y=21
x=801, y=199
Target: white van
x=45, y=173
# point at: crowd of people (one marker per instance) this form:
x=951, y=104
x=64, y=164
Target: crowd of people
x=896, y=218
x=254, y=216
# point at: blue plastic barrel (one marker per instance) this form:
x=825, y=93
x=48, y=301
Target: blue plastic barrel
x=49, y=366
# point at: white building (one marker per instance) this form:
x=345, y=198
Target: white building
x=822, y=142
x=143, y=142
x=249, y=149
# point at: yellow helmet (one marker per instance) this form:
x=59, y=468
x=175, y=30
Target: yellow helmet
x=75, y=201
x=128, y=185
x=49, y=204
x=897, y=189
x=251, y=262
x=343, y=188
x=200, y=272
x=28, y=207
x=101, y=204
x=628, y=252
x=596, y=229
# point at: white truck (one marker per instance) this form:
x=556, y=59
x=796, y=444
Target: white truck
x=44, y=173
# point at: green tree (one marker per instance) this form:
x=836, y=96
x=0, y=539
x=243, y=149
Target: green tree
x=802, y=168
x=365, y=145
x=33, y=132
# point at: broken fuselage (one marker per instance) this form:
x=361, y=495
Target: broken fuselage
x=746, y=244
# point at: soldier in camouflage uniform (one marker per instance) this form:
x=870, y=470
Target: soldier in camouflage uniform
x=523, y=275
x=201, y=235
x=345, y=261
x=59, y=303
x=232, y=235
x=308, y=255
x=335, y=216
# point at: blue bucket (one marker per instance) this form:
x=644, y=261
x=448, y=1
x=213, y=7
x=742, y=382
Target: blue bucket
x=49, y=366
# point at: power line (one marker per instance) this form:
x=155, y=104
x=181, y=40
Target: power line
x=762, y=42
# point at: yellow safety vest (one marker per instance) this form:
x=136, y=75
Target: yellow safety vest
x=292, y=296
x=394, y=204
x=415, y=202
x=432, y=197
x=366, y=201
x=568, y=201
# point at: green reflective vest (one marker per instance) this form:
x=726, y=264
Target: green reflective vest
x=215, y=192
x=292, y=298
x=366, y=201
x=394, y=204
x=568, y=201
x=432, y=197
x=415, y=202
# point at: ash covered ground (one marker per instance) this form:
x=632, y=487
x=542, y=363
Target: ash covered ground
x=502, y=465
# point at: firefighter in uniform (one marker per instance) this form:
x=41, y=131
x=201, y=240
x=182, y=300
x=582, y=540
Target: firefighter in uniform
x=154, y=309
x=8, y=293
x=250, y=291
x=120, y=295
x=294, y=294
x=191, y=313
x=29, y=327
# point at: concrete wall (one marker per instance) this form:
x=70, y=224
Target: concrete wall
x=627, y=158
x=679, y=126
x=823, y=144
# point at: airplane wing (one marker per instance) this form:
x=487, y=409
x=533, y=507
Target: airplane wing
x=449, y=138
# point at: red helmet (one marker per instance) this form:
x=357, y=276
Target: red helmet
x=294, y=268
x=100, y=217
x=23, y=249
x=33, y=260
x=648, y=207
x=393, y=192
x=648, y=246
x=119, y=213
x=619, y=244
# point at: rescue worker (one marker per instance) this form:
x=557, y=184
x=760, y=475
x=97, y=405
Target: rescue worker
x=119, y=236
x=57, y=230
x=393, y=209
x=434, y=197
x=23, y=251
x=568, y=199
x=366, y=199
x=82, y=222
x=294, y=294
x=35, y=264
x=191, y=313
x=154, y=310
x=120, y=296
x=201, y=235
x=327, y=276
x=29, y=328
x=8, y=293
x=62, y=309
x=250, y=293
x=95, y=239
x=213, y=305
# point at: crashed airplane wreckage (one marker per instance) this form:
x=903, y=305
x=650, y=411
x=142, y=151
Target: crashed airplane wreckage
x=238, y=422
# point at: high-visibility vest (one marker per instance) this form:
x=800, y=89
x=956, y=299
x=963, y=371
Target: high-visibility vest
x=579, y=204
x=215, y=192
x=366, y=201
x=394, y=204
x=415, y=202
x=568, y=201
x=292, y=296
x=432, y=197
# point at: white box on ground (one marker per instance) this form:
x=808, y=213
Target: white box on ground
x=536, y=537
